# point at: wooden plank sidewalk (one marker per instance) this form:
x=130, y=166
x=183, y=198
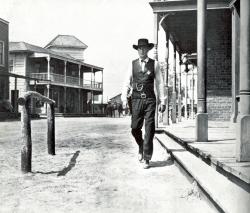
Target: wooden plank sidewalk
x=228, y=196
x=220, y=149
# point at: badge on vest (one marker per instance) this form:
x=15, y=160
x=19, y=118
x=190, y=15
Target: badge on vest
x=148, y=72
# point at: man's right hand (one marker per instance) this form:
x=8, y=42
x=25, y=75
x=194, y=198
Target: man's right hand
x=124, y=104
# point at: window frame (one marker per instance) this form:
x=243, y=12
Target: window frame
x=3, y=54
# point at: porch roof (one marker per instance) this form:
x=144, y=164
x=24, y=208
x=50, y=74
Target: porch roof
x=17, y=47
x=178, y=18
x=181, y=5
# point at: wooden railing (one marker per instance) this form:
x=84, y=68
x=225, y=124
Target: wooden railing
x=74, y=81
x=26, y=152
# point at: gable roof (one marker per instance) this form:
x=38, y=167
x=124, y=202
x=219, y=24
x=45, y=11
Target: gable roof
x=66, y=41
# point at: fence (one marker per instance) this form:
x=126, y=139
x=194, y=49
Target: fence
x=26, y=152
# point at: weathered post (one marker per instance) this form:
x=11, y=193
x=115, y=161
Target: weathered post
x=26, y=152
x=51, y=128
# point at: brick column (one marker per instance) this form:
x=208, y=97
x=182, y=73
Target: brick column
x=202, y=117
x=166, y=113
x=243, y=122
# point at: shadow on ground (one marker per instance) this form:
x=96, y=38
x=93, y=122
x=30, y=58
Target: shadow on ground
x=155, y=164
x=65, y=170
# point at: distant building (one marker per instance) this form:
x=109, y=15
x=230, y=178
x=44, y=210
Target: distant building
x=116, y=99
x=68, y=44
x=4, y=49
x=64, y=77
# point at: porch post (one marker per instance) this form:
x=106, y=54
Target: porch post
x=79, y=90
x=15, y=97
x=166, y=113
x=79, y=99
x=235, y=62
x=65, y=100
x=92, y=94
x=179, y=91
x=202, y=116
x=48, y=91
x=243, y=122
x=186, y=92
x=192, y=102
x=156, y=28
x=65, y=72
x=48, y=67
x=102, y=94
x=174, y=88
x=79, y=74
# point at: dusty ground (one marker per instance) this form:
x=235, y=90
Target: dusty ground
x=95, y=169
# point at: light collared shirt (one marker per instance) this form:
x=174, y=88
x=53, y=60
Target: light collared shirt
x=159, y=84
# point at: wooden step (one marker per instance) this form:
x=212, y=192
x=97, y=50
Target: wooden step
x=226, y=194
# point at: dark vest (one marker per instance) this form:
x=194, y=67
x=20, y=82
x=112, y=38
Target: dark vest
x=143, y=82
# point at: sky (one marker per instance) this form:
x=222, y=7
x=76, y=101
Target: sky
x=108, y=27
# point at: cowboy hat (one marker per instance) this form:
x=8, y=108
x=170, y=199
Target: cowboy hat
x=143, y=42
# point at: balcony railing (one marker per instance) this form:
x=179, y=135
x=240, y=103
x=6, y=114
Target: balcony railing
x=74, y=81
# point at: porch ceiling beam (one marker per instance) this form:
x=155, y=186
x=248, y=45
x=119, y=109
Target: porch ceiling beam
x=232, y=3
x=161, y=7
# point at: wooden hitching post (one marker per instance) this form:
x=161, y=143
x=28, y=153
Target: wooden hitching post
x=51, y=128
x=26, y=152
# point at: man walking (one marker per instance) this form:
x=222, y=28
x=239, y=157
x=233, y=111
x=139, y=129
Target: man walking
x=143, y=76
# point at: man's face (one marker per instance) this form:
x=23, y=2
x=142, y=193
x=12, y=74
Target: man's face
x=143, y=52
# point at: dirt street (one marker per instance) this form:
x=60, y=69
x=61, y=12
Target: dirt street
x=95, y=169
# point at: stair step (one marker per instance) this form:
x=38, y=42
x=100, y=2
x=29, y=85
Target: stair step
x=229, y=196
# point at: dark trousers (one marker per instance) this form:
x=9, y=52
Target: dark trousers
x=144, y=109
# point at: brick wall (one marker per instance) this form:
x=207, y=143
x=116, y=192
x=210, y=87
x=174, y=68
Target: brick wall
x=219, y=65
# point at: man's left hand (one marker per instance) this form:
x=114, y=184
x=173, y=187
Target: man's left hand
x=162, y=108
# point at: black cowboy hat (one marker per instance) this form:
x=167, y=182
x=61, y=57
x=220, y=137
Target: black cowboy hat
x=143, y=42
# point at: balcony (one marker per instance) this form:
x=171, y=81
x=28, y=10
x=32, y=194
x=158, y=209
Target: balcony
x=68, y=81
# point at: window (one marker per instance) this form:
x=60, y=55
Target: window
x=1, y=53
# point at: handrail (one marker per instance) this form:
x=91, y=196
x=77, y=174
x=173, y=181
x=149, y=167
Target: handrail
x=26, y=152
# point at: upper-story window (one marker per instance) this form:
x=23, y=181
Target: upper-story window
x=1, y=53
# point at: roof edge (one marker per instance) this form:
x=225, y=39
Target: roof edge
x=4, y=21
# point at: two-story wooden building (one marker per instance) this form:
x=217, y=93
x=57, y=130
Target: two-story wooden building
x=63, y=74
